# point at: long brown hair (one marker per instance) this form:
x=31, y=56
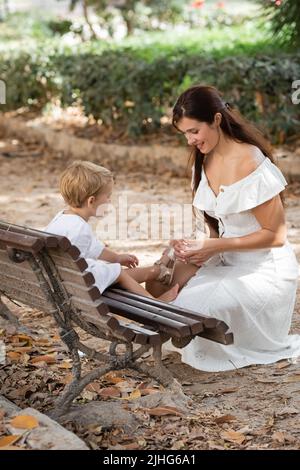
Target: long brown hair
x=202, y=103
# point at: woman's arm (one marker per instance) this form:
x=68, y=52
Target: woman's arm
x=270, y=216
x=273, y=233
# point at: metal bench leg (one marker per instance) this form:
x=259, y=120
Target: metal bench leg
x=74, y=389
x=160, y=373
x=78, y=383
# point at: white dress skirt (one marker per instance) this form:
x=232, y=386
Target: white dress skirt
x=254, y=292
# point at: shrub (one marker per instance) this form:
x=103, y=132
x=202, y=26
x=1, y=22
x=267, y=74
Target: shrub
x=132, y=94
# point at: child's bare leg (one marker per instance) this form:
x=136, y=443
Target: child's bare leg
x=156, y=288
x=148, y=273
x=182, y=274
x=133, y=286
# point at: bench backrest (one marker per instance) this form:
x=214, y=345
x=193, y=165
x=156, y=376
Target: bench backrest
x=23, y=277
x=38, y=269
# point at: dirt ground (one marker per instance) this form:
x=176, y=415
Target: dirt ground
x=252, y=408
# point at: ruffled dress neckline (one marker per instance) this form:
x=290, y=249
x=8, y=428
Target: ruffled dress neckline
x=261, y=185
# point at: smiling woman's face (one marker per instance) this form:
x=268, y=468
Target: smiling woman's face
x=202, y=135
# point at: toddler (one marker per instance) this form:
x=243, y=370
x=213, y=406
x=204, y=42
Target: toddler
x=86, y=186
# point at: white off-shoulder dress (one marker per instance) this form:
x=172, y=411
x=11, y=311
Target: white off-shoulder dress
x=254, y=292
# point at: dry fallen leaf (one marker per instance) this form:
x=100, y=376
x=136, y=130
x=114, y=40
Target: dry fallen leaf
x=148, y=391
x=66, y=379
x=135, y=394
x=228, y=390
x=131, y=446
x=270, y=422
x=233, y=436
x=267, y=381
x=278, y=436
x=109, y=392
x=225, y=419
x=45, y=358
x=65, y=365
x=292, y=378
x=112, y=378
x=23, y=349
x=88, y=395
x=24, y=422
x=20, y=338
x=178, y=445
x=94, y=387
x=15, y=356
x=42, y=341
x=282, y=365
x=9, y=440
x=163, y=410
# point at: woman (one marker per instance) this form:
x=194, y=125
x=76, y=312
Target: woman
x=248, y=271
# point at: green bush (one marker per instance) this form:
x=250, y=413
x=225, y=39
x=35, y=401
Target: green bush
x=135, y=94
x=60, y=27
x=129, y=93
x=30, y=80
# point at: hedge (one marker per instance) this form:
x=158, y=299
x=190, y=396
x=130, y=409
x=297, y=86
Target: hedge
x=130, y=93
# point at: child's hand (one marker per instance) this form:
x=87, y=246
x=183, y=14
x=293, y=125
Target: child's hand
x=130, y=261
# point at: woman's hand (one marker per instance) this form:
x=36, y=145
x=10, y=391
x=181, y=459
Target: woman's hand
x=196, y=251
x=131, y=261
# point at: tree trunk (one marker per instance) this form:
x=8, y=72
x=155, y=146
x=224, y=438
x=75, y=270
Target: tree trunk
x=86, y=17
x=129, y=24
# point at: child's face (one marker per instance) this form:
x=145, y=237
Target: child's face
x=103, y=198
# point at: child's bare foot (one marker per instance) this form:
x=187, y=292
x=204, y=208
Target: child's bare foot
x=170, y=295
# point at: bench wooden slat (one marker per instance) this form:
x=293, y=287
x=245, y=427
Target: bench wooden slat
x=85, y=279
x=21, y=242
x=214, y=329
x=127, y=333
x=217, y=336
x=194, y=325
x=17, y=270
x=85, y=293
x=27, y=298
x=22, y=283
x=64, y=260
x=208, y=322
x=101, y=321
x=49, y=239
x=143, y=335
x=97, y=307
x=143, y=316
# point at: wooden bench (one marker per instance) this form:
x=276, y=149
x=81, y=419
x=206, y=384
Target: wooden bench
x=46, y=272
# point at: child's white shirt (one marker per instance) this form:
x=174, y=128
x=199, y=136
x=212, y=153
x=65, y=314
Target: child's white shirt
x=80, y=234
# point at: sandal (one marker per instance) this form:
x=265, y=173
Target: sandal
x=165, y=275
x=167, y=265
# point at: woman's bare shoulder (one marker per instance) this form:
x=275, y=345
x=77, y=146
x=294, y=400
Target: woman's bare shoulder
x=248, y=158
